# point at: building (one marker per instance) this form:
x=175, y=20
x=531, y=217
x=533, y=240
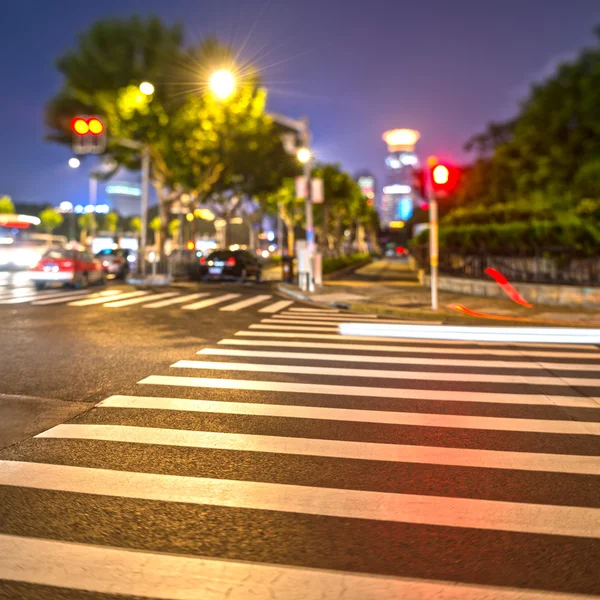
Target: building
x=368, y=186
x=125, y=197
x=397, y=200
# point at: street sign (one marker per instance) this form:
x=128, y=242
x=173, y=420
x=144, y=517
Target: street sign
x=301, y=188
x=317, y=193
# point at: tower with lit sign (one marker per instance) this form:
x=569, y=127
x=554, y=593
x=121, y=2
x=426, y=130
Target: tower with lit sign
x=397, y=201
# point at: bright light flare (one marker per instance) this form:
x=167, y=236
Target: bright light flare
x=74, y=163
x=304, y=155
x=222, y=84
x=80, y=126
x=146, y=88
x=95, y=126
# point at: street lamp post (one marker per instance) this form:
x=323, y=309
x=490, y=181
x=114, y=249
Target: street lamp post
x=305, y=157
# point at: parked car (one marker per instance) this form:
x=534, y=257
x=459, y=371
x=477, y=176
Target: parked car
x=69, y=267
x=116, y=262
x=227, y=264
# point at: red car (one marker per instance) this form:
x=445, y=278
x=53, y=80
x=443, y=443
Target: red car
x=69, y=267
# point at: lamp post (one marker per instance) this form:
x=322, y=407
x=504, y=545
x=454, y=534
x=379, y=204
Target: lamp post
x=305, y=158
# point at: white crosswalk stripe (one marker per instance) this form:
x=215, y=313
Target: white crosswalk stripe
x=103, y=300
x=276, y=306
x=131, y=301
x=210, y=302
x=177, y=300
x=246, y=303
x=301, y=455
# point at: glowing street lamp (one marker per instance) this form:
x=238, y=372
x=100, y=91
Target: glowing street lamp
x=222, y=84
x=146, y=88
x=74, y=163
x=304, y=155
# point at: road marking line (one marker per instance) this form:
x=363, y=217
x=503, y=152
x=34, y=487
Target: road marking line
x=353, y=504
x=176, y=577
x=292, y=327
x=92, y=301
x=456, y=457
x=131, y=301
x=392, y=360
x=552, y=380
x=70, y=296
x=316, y=310
x=294, y=318
x=381, y=347
x=246, y=303
x=566, y=335
x=210, y=302
x=353, y=332
x=178, y=300
x=33, y=297
x=372, y=392
x=330, y=317
x=353, y=415
x=276, y=306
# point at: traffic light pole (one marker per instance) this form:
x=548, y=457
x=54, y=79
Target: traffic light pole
x=144, y=209
x=433, y=249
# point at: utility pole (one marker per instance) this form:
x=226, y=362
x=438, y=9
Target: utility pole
x=308, y=205
x=433, y=231
x=144, y=208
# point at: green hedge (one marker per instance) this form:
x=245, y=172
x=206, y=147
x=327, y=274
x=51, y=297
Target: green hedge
x=331, y=265
x=581, y=236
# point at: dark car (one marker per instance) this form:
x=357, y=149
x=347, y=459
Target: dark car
x=116, y=262
x=228, y=264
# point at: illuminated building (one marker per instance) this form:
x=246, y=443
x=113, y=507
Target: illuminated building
x=397, y=200
x=367, y=184
x=125, y=197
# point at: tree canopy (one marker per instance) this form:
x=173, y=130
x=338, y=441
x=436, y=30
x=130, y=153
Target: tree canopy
x=536, y=179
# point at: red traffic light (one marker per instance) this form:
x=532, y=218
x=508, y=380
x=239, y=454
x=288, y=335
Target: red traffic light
x=444, y=177
x=81, y=126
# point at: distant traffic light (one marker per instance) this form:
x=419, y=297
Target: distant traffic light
x=89, y=135
x=418, y=183
x=444, y=177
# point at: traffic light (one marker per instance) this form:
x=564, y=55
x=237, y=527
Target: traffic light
x=444, y=177
x=89, y=135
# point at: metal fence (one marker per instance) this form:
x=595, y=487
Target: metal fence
x=549, y=266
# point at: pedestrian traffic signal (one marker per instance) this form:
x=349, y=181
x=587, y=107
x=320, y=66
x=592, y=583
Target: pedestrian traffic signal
x=444, y=177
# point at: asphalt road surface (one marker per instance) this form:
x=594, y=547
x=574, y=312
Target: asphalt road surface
x=222, y=442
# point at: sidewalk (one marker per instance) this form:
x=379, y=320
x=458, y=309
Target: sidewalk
x=391, y=288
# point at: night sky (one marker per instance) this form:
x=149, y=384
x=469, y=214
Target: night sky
x=355, y=67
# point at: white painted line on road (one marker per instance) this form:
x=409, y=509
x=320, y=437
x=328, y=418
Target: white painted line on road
x=246, y=303
x=353, y=415
x=71, y=296
x=373, y=392
x=131, y=301
x=353, y=504
x=33, y=297
x=381, y=374
x=178, y=300
x=329, y=317
x=276, y=306
x=292, y=327
x=456, y=457
x=315, y=310
x=565, y=335
x=210, y=302
x=487, y=348
x=176, y=577
x=102, y=300
x=300, y=319
x=392, y=360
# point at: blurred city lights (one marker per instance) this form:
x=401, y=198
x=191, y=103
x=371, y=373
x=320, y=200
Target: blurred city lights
x=189, y=217
x=95, y=126
x=74, y=163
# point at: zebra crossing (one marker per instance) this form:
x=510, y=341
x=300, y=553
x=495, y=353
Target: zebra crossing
x=301, y=463
x=122, y=298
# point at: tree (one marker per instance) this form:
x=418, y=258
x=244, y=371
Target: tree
x=87, y=223
x=198, y=145
x=6, y=205
x=50, y=219
x=174, y=227
x=135, y=224
x=110, y=222
x=290, y=209
x=156, y=226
